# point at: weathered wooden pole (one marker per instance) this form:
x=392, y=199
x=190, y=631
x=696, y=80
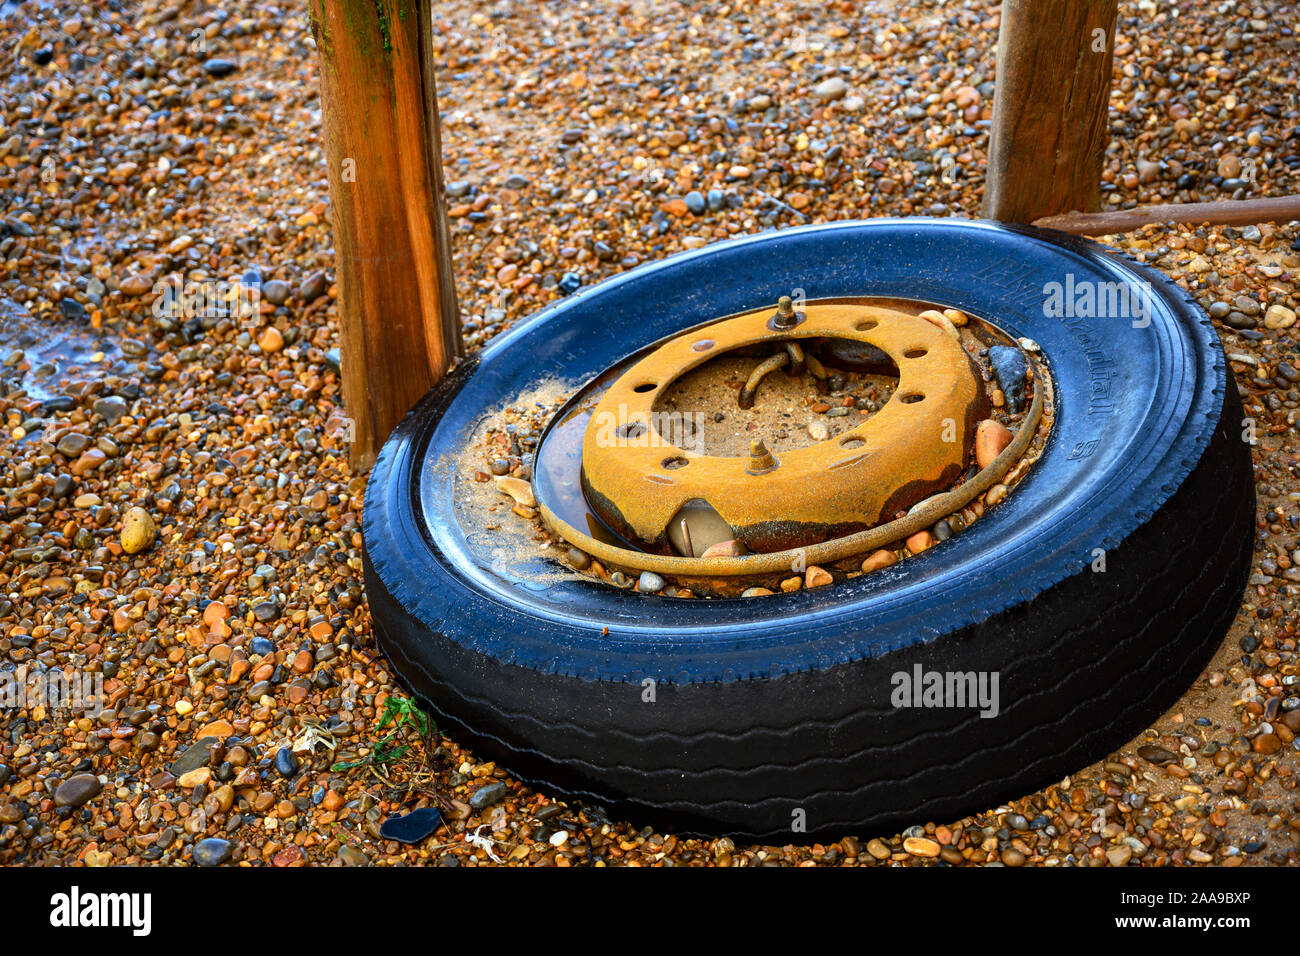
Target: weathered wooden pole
x=1049, y=111
x=400, y=322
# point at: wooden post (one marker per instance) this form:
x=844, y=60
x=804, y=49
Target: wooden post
x=1049, y=111
x=400, y=322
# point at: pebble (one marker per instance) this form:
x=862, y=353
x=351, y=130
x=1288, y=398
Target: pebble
x=286, y=762
x=1266, y=744
x=1156, y=755
x=213, y=851
x=77, y=790
x=816, y=577
x=649, y=583
x=135, y=285
x=219, y=67
x=921, y=541
x=91, y=460
x=72, y=444
x=731, y=548
x=878, y=849
x=877, y=560
x=920, y=846
x=991, y=439
x=1279, y=317
x=351, y=856
x=830, y=90
x=940, y=320
x=266, y=611
x=138, y=531
x=270, y=340
x=488, y=795
x=195, y=778
x=1012, y=371
x=195, y=756
x=1120, y=855
x=517, y=489
x=111, y=408
x=313, y=287
x=276, y=292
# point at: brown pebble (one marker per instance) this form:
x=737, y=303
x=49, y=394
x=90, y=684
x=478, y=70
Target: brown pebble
x=919, y=846
x=939, y=320
x=134, y=285
x=194, y=778
x=879, y=559
x=920, y=541
x=218, y=728
x=1266, y=744
x=518, y=489
x=270, y=340
x=990, y=439
x=91, y=459
x=816, y=577
x=724, y=549
x=138, y=531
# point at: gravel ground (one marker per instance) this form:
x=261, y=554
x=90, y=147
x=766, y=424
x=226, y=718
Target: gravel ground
x=179, y=516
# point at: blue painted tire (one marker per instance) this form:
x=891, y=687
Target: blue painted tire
x=774, y=714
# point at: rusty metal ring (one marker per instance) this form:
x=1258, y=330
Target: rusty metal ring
x=636, y=479
x=932, y=510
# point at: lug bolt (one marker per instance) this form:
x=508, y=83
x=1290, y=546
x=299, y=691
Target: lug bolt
x=760, y=459
x=785, y=317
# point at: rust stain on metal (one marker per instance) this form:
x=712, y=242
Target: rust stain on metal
x=913, y=447
x=758, y=567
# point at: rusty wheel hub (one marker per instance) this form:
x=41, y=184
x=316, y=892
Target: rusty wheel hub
x=640, y=467
x=634, y=485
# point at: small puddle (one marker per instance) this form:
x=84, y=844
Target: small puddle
x=9, y=8
x=556, y=475
x=41, y=356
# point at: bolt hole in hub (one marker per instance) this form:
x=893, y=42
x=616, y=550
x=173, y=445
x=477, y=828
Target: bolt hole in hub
x=792, y=447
